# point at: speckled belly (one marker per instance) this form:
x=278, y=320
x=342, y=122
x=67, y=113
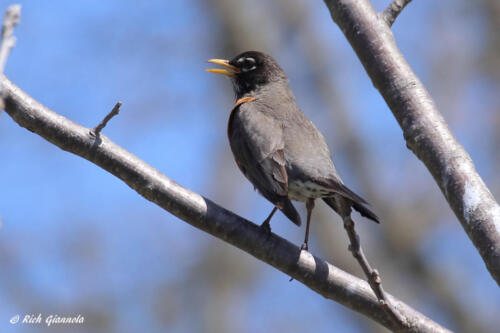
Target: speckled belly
x=301, y=191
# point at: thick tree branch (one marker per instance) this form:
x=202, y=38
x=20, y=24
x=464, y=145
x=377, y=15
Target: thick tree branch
x=393, y=10
x=317, y=274
x=425, y=131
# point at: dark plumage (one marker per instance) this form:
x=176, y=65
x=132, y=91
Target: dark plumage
x=276, y=146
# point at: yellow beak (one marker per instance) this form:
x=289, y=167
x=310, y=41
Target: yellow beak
x=230, y=71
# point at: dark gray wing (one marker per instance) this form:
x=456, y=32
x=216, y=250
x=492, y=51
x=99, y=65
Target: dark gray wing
x=258, y=147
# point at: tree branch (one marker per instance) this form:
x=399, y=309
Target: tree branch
x=116, y=109
x=372, y=275
x=425, y=131
x=322, y=277
x=11, y=18
x=393, y=10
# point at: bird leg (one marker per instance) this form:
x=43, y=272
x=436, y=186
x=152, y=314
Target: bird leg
x=309, y=207
x=266, y=225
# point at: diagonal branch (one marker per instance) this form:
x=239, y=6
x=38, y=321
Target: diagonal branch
x=426, y=133
x=393, y=10
x=317, y=274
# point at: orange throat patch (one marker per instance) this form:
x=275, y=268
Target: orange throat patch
x=243, y=100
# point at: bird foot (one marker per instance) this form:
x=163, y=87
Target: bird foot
x=266, y=226
x=304, y=247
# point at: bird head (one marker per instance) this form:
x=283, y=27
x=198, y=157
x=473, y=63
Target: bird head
x=249, y=71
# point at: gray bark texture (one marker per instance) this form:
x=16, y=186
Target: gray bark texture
x=425, y=131
x=317, y=274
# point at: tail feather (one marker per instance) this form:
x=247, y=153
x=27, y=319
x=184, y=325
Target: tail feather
x=363, y=210
x=290, y=212
x=357, y=202
x=348, y=193
x=336, y=186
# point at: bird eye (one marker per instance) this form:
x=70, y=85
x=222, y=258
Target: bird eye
x=247, y=64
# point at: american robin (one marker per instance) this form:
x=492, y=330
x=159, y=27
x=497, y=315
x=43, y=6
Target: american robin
x=277, y=147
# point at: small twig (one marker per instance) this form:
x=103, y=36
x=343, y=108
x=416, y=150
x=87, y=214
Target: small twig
x=393, y=10
x=11, y=18
x=372, y=275
x=104, y=122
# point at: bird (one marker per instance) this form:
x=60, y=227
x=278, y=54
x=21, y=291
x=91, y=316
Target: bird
x=278, y=149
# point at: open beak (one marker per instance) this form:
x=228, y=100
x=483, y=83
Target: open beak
x=230, y=71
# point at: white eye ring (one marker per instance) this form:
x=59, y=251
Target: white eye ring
x=248, y=64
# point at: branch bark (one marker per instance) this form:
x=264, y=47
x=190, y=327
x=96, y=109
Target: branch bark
x=425, y=131
x=319, y=275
